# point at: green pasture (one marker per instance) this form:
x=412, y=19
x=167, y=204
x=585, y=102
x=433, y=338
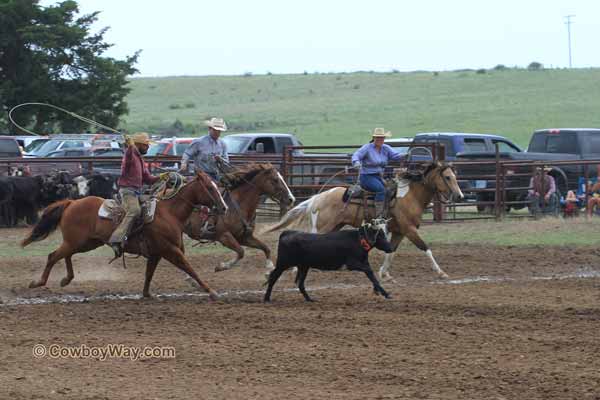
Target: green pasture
x=338, y=108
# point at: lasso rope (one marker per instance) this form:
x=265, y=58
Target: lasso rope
x=72, y=114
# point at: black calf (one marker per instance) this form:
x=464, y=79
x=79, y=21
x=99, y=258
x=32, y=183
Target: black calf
x=329, y=251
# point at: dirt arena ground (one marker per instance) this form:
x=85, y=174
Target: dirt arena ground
x=511, y=323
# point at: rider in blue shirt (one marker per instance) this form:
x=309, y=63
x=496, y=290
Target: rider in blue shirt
x=372, y=159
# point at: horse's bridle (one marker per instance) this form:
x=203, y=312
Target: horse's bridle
x=442, y=198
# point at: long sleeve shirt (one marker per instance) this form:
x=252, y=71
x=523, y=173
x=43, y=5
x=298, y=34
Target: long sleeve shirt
x=202, y=152
x=133, y=170
x=373, y=161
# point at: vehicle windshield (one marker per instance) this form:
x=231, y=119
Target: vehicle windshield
x=235, y=144
x=34, y=145
x=47, y=147
x=157, y=149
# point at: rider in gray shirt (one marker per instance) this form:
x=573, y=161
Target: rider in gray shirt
x=205, y=150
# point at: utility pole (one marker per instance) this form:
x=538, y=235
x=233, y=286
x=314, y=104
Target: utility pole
x=568, y=23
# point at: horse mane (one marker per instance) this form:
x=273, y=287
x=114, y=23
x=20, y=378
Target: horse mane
x=245, y=174
x=420, y=174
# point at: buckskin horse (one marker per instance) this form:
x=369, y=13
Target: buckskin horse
x=83, y=230
x=326, y=212
x=235, y=229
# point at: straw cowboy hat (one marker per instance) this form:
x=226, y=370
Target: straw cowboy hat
x=380, y=132
x=217, y=124
x=141, y=137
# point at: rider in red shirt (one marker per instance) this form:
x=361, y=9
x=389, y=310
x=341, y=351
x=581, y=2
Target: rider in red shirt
x=134, y=174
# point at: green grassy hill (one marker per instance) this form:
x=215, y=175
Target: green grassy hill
x=343, y=108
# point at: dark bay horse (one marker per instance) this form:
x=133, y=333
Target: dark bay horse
x=83, y=230
x=326, y=212
x=236, y=228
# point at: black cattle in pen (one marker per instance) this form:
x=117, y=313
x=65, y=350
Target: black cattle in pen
x=329, y=251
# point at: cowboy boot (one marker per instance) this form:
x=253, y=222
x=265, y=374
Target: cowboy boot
x=379, y=209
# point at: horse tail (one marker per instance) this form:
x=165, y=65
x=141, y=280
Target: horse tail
x=295, y=214
x=48, y=223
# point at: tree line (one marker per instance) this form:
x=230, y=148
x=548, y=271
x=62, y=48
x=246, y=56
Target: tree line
x=51, y=55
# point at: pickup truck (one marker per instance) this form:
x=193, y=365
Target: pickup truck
x=547, y=145
x=458, y=142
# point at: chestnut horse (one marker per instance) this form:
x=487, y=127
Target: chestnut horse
x=235, y=229
x=83, y=230
x=326, y=212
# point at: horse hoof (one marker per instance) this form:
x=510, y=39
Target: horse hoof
x=35, y=284
x=65, y=281
x=214, y=296
x=222, y=267
x=269, y=266
x=444, y=276
x=192, y=282
x=148, y=296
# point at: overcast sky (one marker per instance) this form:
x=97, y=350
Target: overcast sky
x=223, y=37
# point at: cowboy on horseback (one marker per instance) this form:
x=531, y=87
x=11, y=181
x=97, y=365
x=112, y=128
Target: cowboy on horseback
x=371, y=159
x=134, y=174
x=209, y=151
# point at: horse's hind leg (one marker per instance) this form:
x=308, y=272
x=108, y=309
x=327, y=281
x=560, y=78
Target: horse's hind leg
x=88, y=246
x=70, y=275
x=176, y=257
x=63, y=251
x=229, y=241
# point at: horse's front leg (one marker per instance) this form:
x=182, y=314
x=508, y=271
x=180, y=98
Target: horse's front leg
x=175, y=256
x=414, y=237
x=228, y=240
x=256, y=243
x=384, y=274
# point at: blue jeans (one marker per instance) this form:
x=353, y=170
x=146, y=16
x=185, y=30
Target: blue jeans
x=373, y=183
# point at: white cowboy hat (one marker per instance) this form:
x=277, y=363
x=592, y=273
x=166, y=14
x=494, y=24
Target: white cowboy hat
x=217, y=124
x=380, y=132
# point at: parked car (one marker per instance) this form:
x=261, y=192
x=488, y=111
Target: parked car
x=458, y=142
x=109, y=167
x=58, y=144
x=9, y=147
x=174, y=146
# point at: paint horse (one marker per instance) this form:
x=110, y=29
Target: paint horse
x=83, y=230
x=245, y=188
x=326, y=212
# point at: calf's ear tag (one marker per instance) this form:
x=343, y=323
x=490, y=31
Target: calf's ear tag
x=365, y=245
